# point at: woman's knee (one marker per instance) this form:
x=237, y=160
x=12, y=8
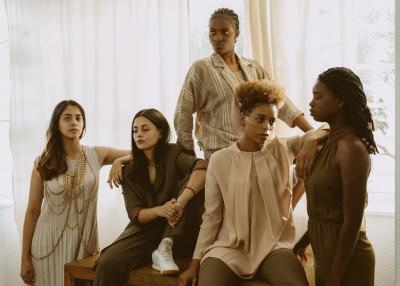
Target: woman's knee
x=282, y=267
x=215, y=272
x=107, y=262
x=108, y=271
x=119, y=256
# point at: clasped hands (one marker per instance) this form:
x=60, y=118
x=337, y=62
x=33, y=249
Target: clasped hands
x=172, y=211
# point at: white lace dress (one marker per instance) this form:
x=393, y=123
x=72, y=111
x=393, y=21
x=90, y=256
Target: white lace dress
x=66, y=229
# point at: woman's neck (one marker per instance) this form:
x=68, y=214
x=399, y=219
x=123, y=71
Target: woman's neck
x=72, y=149
x=149, y=156
x=229, y=58
x=231, y=61
x=247, y=145
x=337, y=123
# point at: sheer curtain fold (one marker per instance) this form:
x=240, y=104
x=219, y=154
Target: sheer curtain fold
x=295, y=41
x=258, y=31
x=113, y=57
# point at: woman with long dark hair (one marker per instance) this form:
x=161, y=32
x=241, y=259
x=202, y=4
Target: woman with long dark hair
x=60, y=221
x=163, y=190
x=337, y=186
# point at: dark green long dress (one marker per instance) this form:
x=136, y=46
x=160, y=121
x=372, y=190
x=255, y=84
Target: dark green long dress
x=325, y=211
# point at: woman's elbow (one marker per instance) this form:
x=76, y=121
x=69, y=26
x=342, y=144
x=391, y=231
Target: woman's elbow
x=353, y=223
x=201, y=164
x=32, y=212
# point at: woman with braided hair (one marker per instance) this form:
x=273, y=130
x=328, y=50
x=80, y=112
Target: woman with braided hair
x=337, y=186
x=209, y=87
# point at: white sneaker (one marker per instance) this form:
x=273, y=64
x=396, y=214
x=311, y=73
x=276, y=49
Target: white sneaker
x=163, y=260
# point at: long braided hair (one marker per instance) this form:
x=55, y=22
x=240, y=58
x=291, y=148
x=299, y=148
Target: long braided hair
x=347, y=86
x=227, y=12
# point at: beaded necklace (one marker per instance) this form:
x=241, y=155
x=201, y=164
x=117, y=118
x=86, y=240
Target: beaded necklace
x=72, y=191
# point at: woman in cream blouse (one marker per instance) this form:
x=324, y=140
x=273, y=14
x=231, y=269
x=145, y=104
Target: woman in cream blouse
x=248, y=225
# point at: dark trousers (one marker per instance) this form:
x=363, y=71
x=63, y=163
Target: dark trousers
x=117, y=260
x=280, y=268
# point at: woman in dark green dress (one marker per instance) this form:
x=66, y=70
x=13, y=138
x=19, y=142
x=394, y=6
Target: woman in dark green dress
x=337, y=185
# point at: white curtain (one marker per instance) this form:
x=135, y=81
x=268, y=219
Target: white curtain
x=295, y=41
x=113, y=57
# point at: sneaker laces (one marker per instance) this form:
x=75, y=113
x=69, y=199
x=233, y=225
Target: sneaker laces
x=165, y=245
x=166, y=256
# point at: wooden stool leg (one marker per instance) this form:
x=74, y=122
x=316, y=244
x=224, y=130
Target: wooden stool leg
x=68, y=278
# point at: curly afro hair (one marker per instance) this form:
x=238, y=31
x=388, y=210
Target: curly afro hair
x=251, y=93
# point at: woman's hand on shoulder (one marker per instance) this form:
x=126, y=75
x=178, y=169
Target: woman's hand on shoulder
x=115, y=177
x=305, y=158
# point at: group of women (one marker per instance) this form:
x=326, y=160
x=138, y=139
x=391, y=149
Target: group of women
x=232, y=212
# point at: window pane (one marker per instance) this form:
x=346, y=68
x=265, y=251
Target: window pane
x=375, y=65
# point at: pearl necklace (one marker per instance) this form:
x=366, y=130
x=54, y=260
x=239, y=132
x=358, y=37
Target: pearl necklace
x=73, y=190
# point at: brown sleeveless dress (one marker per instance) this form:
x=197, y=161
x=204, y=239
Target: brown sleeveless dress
x=325, y=210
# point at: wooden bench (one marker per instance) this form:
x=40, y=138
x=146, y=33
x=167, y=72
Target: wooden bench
x=146, y=276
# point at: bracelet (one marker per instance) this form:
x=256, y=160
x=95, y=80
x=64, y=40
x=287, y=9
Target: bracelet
x=194, y=192
x=179, y=206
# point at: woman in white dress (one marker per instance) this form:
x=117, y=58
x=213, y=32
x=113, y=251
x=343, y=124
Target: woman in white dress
x=60, y=221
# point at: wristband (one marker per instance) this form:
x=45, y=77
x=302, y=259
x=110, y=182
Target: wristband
x=194, y=192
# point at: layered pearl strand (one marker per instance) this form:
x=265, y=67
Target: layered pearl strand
x=71, y=192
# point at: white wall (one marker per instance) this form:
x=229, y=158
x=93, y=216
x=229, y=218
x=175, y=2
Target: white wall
x=381, y=233
x=397, y=167
x=9, y=249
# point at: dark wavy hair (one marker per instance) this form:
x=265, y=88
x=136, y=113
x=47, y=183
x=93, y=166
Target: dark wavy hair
x=227, y=12
x=347, y=86
x=140, y=162
x=52, y=163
